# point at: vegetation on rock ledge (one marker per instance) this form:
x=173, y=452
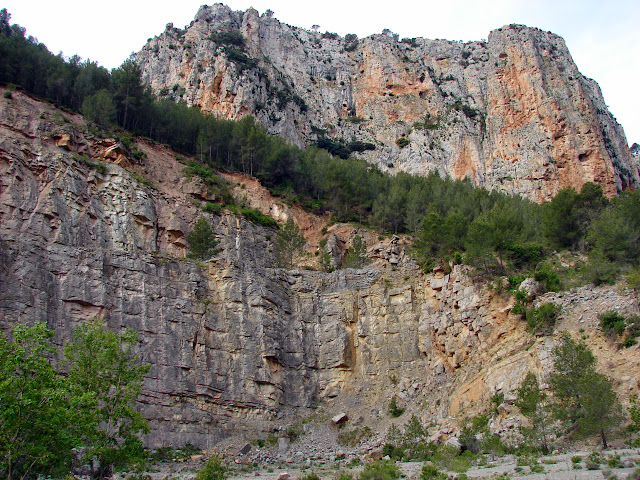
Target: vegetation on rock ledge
x=450, y=221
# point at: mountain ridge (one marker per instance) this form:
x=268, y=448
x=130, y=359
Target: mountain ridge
x=512, y=113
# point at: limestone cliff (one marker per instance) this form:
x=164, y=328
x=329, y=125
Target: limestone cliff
x=512, y=113
x=236, y=345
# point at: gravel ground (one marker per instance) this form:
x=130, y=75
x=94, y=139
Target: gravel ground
x=558, y=467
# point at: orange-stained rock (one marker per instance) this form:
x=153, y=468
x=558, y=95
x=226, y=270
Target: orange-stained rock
x=64, y=141
x=110, y=150
x=512, y=113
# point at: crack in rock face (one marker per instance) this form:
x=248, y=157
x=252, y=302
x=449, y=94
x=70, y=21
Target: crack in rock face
x=237, y=346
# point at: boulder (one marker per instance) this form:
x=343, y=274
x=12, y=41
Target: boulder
x=340, y=419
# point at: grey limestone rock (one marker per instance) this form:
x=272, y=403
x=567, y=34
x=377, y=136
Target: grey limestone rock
x=236, y=345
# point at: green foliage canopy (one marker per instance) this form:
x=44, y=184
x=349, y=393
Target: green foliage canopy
x=534, y=404
x=105, y=364
x=202, y=240
x=39, y=423
x=583, y=398
x=289, y=244
x=45, y=413
x=356, y=254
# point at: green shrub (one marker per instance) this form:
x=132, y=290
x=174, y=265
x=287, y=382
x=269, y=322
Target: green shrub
x=633, y=329
x=431, y=472
x=594, y=460
x=233, y=37
x=525, y=254
x=294, y=432
x=241, y=60
x=356, y=256
x=394, y=410
x=144, y=181
x=216, y=185
x=591, y=465
x=257, y=217
x=213, y=470
x=497, y=399
x=402, y=142
x=394, y=452
x=536, y=468
x=614, y=461
x=543, y=318
x=524, y=460
x=355, y=119
x=202, y=240
x=84, y=159
x=163, y=454
x=462, y=462
x=289, y=244
x=344, y=476
x=549, y=279
x=380, y=470
x=215, y=208
x=350, y=42
x=612, y=323
x=310, y=476
x=445, y=456
x=352, y=437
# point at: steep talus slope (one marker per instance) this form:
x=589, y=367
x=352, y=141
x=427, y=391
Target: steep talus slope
x=236, y=345
x=512, y=113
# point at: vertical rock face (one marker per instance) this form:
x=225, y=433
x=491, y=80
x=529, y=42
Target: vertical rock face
x=234, y=344
x=512, y=113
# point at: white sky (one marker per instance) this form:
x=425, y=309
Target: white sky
x=603, y=36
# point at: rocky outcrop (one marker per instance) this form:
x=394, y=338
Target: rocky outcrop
x=511, y=113
x=236, y=345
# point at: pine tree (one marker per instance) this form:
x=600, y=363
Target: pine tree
x=356, y=255
x=202, y=240
x=533, y=404
x=583, y=398
x=289, y=244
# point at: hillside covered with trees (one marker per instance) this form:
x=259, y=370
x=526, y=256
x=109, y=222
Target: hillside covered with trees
x=451, y=221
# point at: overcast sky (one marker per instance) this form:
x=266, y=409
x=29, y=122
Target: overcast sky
x=603, y=36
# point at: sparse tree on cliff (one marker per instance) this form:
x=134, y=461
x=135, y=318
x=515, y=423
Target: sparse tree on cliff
x=128, y=93
x=99, y=108
x=202, y=240
x=289, y=244
x=356, y=255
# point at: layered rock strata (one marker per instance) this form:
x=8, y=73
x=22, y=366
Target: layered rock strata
x=236, y=345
